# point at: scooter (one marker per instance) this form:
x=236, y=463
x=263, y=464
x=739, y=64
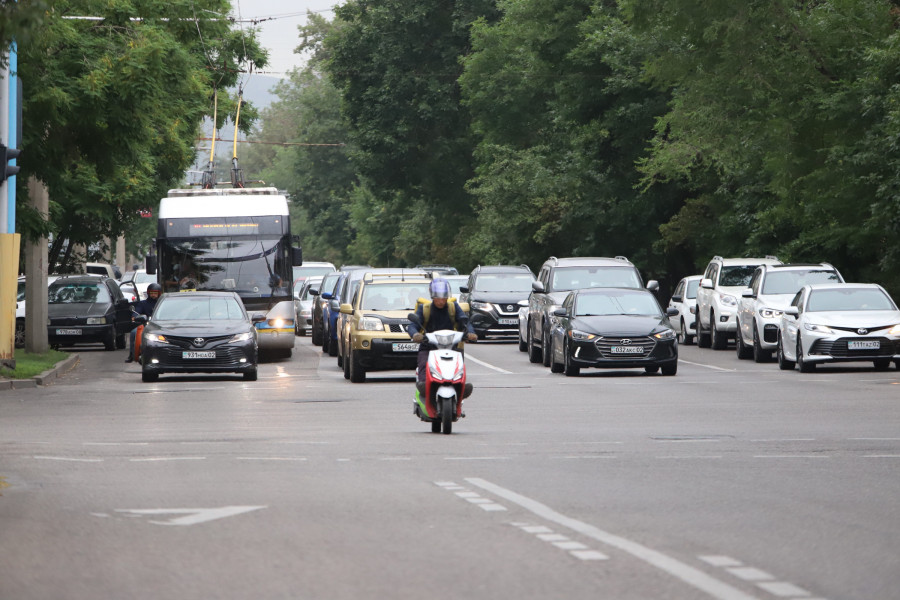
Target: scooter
x=439, y=399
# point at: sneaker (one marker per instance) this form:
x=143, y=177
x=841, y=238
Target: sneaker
x=129, y=359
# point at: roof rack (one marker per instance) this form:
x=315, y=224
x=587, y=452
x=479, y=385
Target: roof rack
x=622, y=258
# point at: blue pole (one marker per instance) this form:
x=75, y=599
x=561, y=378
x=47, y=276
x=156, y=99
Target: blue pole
x=13, y=134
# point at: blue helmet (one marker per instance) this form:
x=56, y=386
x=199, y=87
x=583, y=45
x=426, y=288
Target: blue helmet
x=439, y=288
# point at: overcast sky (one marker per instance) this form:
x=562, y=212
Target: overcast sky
x=278, y=32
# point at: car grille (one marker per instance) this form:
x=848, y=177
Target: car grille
x=397, y=326
x=605, y=345
x=838, y=348
x=225, y=356
x=56, y=321
x=188, y=342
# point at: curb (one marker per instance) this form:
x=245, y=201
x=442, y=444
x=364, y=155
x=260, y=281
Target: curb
x=57, y=370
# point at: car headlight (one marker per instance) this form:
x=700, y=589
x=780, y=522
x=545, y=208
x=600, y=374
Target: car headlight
x=727, y=300
x=155, y=337
x=895, y=330
x=481, y=305
x=665, y=334
x=279, y=323
x=241, y=337
x=770, y=313
x=818, y=328
x=96, y=321
x=371, y=324
x=581, y=336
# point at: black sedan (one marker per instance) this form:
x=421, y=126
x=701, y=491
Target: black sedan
x=87, y=309
x=199, y=332
x=612, y=328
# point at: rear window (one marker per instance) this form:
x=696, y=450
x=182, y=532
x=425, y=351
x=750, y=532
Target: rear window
x=578, y=278
x=790, y=282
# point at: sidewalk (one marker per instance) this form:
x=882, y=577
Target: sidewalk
x=45, y=378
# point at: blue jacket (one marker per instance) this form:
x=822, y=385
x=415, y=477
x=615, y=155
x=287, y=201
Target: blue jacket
x=145, y=307
x=440, y=319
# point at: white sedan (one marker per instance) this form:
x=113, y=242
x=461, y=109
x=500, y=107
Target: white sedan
x=848, y=322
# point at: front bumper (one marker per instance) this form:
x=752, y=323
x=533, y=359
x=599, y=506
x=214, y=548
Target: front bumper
x=169, y=358
x=89, y=334
x=601, y=353
x=381, y=354
x=726, y=319
x=487, y=323
x=837, y=349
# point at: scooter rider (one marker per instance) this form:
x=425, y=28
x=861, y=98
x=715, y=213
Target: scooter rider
x=437, y=316
x=144, y=307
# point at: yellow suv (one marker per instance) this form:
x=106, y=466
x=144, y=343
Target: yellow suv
x=376, y=339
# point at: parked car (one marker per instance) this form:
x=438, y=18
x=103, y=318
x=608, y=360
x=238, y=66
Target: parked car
x=717, y=299
x=105, y=269
x=684, y=299
x=839, y=322
x=199, y=332
x=21, y=309
x=494, y=294
x=558, y=277
x=85, y=309
x=762, y=303
x=319, y=304
x=612, y=329
x=311, y=269
x=333, y=309
x=523, y=328
x=376, y=337
x=303, y=304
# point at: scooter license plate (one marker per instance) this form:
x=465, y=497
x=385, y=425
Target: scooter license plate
x=405, y=347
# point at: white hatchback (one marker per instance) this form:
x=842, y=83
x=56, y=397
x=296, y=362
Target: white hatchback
x=684, y=299
x=847, y=322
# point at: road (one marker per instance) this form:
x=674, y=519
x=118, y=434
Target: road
x=731, y=480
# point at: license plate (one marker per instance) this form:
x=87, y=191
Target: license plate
x=406, y=347
x=508, y=321
x=626, y=350
x=867, y=345
x=197, y=354
x=68, y=332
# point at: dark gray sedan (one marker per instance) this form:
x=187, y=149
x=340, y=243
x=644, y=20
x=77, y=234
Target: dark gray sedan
x=199, y=332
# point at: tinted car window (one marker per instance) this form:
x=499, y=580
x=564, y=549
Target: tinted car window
x=77, y=293
x=788, y=282
x=503, y=283
x=197, y=309
x=736, y=276
x=848, y=299
x=616, y=304
x=575, y=278
x=692, y=289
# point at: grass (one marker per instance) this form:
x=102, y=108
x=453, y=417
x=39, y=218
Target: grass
x=28, y=365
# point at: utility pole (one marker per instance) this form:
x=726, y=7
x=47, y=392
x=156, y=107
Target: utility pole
x=9, y=239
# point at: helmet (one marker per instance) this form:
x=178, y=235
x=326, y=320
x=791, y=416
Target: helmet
x=439, y=288
x=154, y=287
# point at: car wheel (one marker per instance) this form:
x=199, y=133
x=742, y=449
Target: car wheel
x=109, y=342
x=683, y=337
x=670, y=369
x=251, y=375
x=332, y=346
x=345, y=365
x=326, y=340
x=718, y=339
x=149, y=377
x=703, y=340
x=740, y=347
x=534, y=354
x=651, y=370
x=316, y=334
x=804, y=365
x=555, y=367
x=783, y=363
x=120, y=342
x=356, y=371
x=882, y=364
x=759, y=355
x=20, y=333
x=545, y=345
x=523, y=344
x=570, y=369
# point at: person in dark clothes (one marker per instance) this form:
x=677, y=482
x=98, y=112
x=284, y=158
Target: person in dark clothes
x=440, y=314
x=144, y=307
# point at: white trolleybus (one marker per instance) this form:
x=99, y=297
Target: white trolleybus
x=235, y=239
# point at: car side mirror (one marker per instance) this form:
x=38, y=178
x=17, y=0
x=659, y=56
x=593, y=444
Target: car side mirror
x=706, y=283
x=464, y=289
x=326, y=295
x=297, y=257
x=653, y=285
x=346, y=309
x=672, y=312
x=258, y=318
x=141, y=319
x=560, y=312
x=748, y=293
x=537, y=286
x=677, y=298
x=792, y=311
x=313, y=292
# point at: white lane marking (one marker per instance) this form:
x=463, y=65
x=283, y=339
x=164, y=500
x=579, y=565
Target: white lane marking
x=589, y=555
x=468, y=494
x=720, y=561
x=791, y=456
x=476, y=458
x=783, y=589
x=552, y=537
x=536, y=529
x=66, y=458
x=479, y=500
x=492, y=507
x=166, y=458
x=194, y=515
x=687, y=362
x=686, y=573
x=289, y=458
x=882, y=456
x=750, y=574
x=691, y=456
x=115, y=444
x=570, y=545
x=488, y=365
x=786, y=440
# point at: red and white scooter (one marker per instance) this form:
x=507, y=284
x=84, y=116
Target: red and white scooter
x=439, y=399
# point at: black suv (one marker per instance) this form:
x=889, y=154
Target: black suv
x=558, y=277
x=493, y=294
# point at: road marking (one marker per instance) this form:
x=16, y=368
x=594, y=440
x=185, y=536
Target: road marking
x=791, y=456
x=488, y=365
x=166, y=458
x=684, y=572
x=193, y=515
x=476, y=458
x=783, y=589
x=687, y=362
x=750, y=574
x=115, y=444
x=292, y=458
x=763, y=579
x=66, y=458
x=721, y=561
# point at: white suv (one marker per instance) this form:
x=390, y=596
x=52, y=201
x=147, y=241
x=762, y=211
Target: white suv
x=771, y=290
x=717, y=299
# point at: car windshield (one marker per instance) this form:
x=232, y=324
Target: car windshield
x=616, y=304
x=504, y=282
x=692, y=289
x=77, y=293
x=738, y=276
x=393, y=296
x=848, y=299
x=577, y=278
x=200, y=308
x=790, y=282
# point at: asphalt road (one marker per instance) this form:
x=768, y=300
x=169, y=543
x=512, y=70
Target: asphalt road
x=731, y=480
